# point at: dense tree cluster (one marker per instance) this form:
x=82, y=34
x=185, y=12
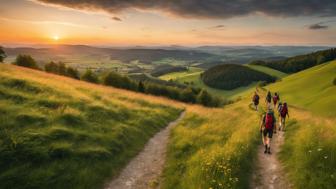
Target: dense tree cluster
x=89, y=76
x=231, y=76
x=26, y=61
x=301, y=62
x=61, y=69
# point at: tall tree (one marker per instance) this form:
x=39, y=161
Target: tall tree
x=26, y=61
x=89, y=76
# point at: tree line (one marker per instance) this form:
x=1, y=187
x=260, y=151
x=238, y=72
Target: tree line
x=188, y=94
x=301, y=62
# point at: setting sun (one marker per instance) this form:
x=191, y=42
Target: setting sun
x=55, y=37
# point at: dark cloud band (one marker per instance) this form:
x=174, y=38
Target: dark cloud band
x=210, y=8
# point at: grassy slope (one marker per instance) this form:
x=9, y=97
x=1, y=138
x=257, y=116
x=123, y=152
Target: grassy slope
x=193, y=76
x=268, y=71
x=213, y=148
x=311, y=89
x=309, y=152
x=62, y=133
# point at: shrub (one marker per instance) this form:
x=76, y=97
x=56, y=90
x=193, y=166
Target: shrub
x=72, y=72
x=26, y=61
x=89, y=76
x=141, y=87
x=119, y=81
x=51, y=67
x=334, y=82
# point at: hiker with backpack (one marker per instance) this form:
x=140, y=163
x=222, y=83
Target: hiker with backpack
x=255, y=100
x=283, y=114
x=266, y=128
x=268, y=99
x=276, y=98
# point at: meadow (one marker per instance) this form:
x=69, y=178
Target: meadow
x=213, y=148
x=62, y=133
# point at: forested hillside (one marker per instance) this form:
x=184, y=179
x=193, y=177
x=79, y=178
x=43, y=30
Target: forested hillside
x=301, y=62
x=231, y=76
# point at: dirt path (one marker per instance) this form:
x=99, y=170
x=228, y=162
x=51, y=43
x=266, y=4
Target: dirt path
x=269, y=173
x=144, y=170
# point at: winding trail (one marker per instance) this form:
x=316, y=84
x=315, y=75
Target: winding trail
x=144, y=170
x=269, y=173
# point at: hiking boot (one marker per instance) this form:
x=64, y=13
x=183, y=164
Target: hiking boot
x=269, y=150
x=265, y=149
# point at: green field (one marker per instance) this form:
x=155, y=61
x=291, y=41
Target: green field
x=192, y=77
x=268, y=71
x=62, y=133
x=311, y=89
x=213, y=148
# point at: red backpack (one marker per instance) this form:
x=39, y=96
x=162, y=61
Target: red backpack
x=269, y=121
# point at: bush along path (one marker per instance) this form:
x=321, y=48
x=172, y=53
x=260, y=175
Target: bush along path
x=268, y=172
x=144, y=170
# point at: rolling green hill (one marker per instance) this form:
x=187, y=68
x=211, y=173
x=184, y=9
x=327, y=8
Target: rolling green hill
x=311, y=89
x=267, y=70
x=58, y=132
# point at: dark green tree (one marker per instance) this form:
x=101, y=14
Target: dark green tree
x=204, y=98
x=51, y=67
x=2, y=54
x=141, y=87
x=89, y=76
x=62, y=70
x=72, y=72
x=26, y=61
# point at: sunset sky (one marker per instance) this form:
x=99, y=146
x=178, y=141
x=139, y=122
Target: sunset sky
x=168, y=22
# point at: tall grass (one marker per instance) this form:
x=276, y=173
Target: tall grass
x=57, y=132
x=213, y=148
x=309, y=152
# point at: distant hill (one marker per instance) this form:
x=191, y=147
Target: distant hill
x=231, y=76
x=144, y=55
x=301, y=62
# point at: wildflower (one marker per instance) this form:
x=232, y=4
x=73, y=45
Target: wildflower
x=325, y=157
x=319, y=149
x=310, y=151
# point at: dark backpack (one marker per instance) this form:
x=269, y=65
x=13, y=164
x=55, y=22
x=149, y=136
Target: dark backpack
x=284, y=110
x=256, y=98
x=269, y=121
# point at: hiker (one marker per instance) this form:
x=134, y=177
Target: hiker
x=283, y=114
x=276, y=98
x=268, y=99
x=266, y=128
x=256, y=100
